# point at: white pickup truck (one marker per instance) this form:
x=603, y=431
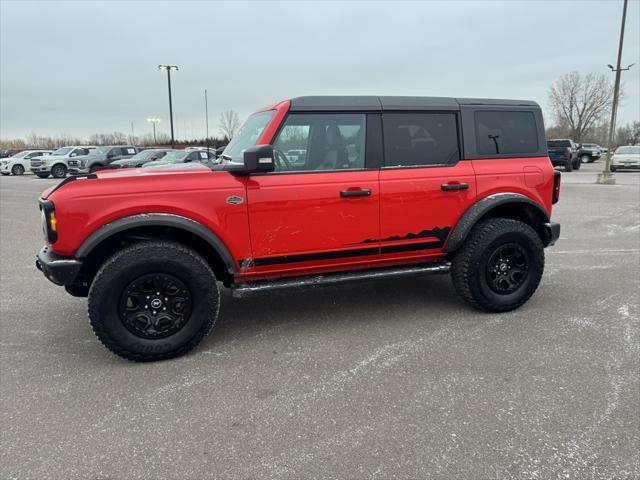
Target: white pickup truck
x=56, y=163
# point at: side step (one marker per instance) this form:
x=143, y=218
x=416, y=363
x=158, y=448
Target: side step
x=243, y=290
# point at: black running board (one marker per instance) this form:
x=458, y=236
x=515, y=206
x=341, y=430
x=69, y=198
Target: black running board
x=243, y=290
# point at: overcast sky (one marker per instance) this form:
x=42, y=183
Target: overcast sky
x=87, y=67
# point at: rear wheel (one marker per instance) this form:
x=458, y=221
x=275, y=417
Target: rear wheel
x=500, y=265
x=153, y=300
x=59, y=171
x=568, y=167
x=17, y=170
x=577, y=164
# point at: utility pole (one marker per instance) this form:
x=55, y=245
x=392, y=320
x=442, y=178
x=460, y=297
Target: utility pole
x=607, y=177
x=206, y=116
x=169, y=68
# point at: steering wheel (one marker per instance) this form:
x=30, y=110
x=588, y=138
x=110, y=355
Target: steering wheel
x=281, y=159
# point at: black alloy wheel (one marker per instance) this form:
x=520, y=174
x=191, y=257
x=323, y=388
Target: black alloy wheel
x=155, y=305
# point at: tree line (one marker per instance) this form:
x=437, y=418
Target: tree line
x=229, y=124
x=579, y=104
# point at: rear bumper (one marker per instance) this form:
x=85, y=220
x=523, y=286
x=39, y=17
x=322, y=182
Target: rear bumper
x=57, y=269
x=553, y=232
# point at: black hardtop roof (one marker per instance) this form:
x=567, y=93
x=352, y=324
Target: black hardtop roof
x=370, y=102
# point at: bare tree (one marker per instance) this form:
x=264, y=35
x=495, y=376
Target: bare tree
x=579, y=102
x=229, y=123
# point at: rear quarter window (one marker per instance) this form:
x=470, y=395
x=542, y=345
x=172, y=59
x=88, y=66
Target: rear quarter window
x=505, y=132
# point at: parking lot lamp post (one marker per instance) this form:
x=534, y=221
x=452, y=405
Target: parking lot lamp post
x=153, y=121
x=169, y=68
x=607, y=177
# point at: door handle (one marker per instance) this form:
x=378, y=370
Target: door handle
x=355, y=193
x=446, y=187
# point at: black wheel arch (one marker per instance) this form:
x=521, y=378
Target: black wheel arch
x=102, y=243
x=504, y=205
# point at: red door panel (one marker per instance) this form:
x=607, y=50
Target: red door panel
x=416, y=214
x=302, y=218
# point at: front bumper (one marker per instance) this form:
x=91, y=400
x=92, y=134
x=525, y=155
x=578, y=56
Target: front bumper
x=42, y=169
x=57, y=269
x=76, y=171
x=553, y=232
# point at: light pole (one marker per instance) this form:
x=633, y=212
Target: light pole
x=153, y=121
x=607, y=177
x=169, y=68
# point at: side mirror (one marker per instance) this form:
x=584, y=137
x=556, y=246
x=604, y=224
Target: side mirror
x=259, y=159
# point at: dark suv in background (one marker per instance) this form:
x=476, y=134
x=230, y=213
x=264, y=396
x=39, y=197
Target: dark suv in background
x=100, y=158
x=589, y=152
x=564, y=153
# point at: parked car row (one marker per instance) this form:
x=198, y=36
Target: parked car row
x=84, y=159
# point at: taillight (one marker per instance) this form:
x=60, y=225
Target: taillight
x=567, y=152
x=556, y=187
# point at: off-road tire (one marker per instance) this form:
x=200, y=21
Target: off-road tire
x=17, y=170
x=568, y=167
x=130, y=263
x=42, y=175
x=469, y=264
x=58, y=171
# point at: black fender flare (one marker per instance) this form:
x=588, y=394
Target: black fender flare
x=479, y=209
x=161, y=220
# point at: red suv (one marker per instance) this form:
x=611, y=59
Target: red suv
x=311, y=191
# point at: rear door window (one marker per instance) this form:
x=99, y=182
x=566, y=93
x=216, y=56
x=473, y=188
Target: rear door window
x=504, y=132
x=420, y=139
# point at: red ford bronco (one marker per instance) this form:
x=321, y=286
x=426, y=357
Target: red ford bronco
x=312, y=191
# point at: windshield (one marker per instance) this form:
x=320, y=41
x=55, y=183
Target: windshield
x=629, y=150
x=248, y=135
x=143, y=155
x=99, y=151
x=62, y=151
x=174, y=157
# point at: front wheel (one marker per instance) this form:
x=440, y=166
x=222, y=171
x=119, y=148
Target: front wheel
x=585, y=159
x=59, y=171
x=500, y=265
x=153, y=300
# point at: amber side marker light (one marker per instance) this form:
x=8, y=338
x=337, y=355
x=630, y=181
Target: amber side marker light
x=53, y=222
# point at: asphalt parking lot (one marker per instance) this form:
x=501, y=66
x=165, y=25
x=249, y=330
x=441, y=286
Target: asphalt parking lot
x=397, y=379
